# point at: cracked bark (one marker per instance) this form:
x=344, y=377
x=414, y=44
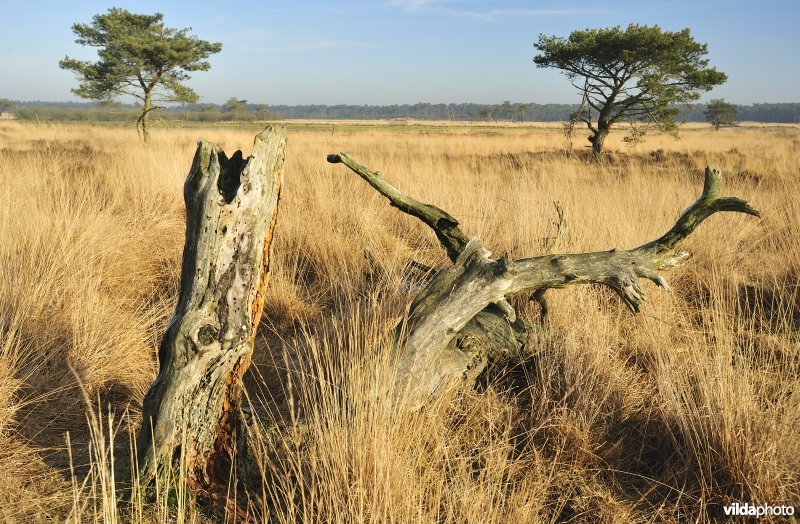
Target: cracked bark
x=193, y=407
x=462, y=319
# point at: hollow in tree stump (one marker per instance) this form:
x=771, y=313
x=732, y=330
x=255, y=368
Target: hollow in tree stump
x=193, y=407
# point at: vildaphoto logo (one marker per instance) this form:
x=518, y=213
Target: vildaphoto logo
x=751, y=510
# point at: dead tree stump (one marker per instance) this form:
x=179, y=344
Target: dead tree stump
x=193, y=407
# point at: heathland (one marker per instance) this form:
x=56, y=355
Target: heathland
x=665, y=416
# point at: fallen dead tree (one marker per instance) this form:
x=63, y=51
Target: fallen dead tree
x=462, y=319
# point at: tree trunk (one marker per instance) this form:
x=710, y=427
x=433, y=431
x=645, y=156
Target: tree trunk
x=462, y=319
x=193, y=407
x=145, y=116
x=598, y=138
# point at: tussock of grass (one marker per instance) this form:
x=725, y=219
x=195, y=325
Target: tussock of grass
x=663, y=417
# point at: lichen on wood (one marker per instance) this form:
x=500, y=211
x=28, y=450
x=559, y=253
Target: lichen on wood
x=193, y=406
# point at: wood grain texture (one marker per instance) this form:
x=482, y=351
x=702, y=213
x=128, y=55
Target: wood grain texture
x=193, y=406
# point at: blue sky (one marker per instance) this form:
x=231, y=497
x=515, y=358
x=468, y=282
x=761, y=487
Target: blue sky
x=404, y=51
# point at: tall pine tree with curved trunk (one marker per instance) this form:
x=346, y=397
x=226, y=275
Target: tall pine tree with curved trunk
x=635, y=75
x=140, y=58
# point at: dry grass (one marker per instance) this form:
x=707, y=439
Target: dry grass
x=610, y=418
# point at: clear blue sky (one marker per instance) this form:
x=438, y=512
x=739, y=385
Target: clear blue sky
x=404, y=51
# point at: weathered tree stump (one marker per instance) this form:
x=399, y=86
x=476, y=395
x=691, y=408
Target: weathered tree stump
x=462, y=319
x=193, y=407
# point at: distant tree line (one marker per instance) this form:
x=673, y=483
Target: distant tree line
x=234, y=110
x=240, y=110
x=49, y=113
x=506, y=111
x=785, y=113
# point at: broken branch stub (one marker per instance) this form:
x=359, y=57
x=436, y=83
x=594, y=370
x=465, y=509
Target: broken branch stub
x=193, y=406
x=462, y=318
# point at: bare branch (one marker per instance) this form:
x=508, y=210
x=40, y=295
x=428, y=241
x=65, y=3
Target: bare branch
x=451, y=322
x=621, y=270
x=710, y=202
x=442, y=223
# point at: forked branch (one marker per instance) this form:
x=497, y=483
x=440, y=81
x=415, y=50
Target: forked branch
x=445, y=332
x=620, y=270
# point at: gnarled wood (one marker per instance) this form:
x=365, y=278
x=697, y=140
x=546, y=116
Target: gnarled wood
x=462, y=317
x=231, y=211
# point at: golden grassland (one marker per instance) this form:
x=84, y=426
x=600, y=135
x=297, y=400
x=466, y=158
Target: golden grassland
x=661, y=417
